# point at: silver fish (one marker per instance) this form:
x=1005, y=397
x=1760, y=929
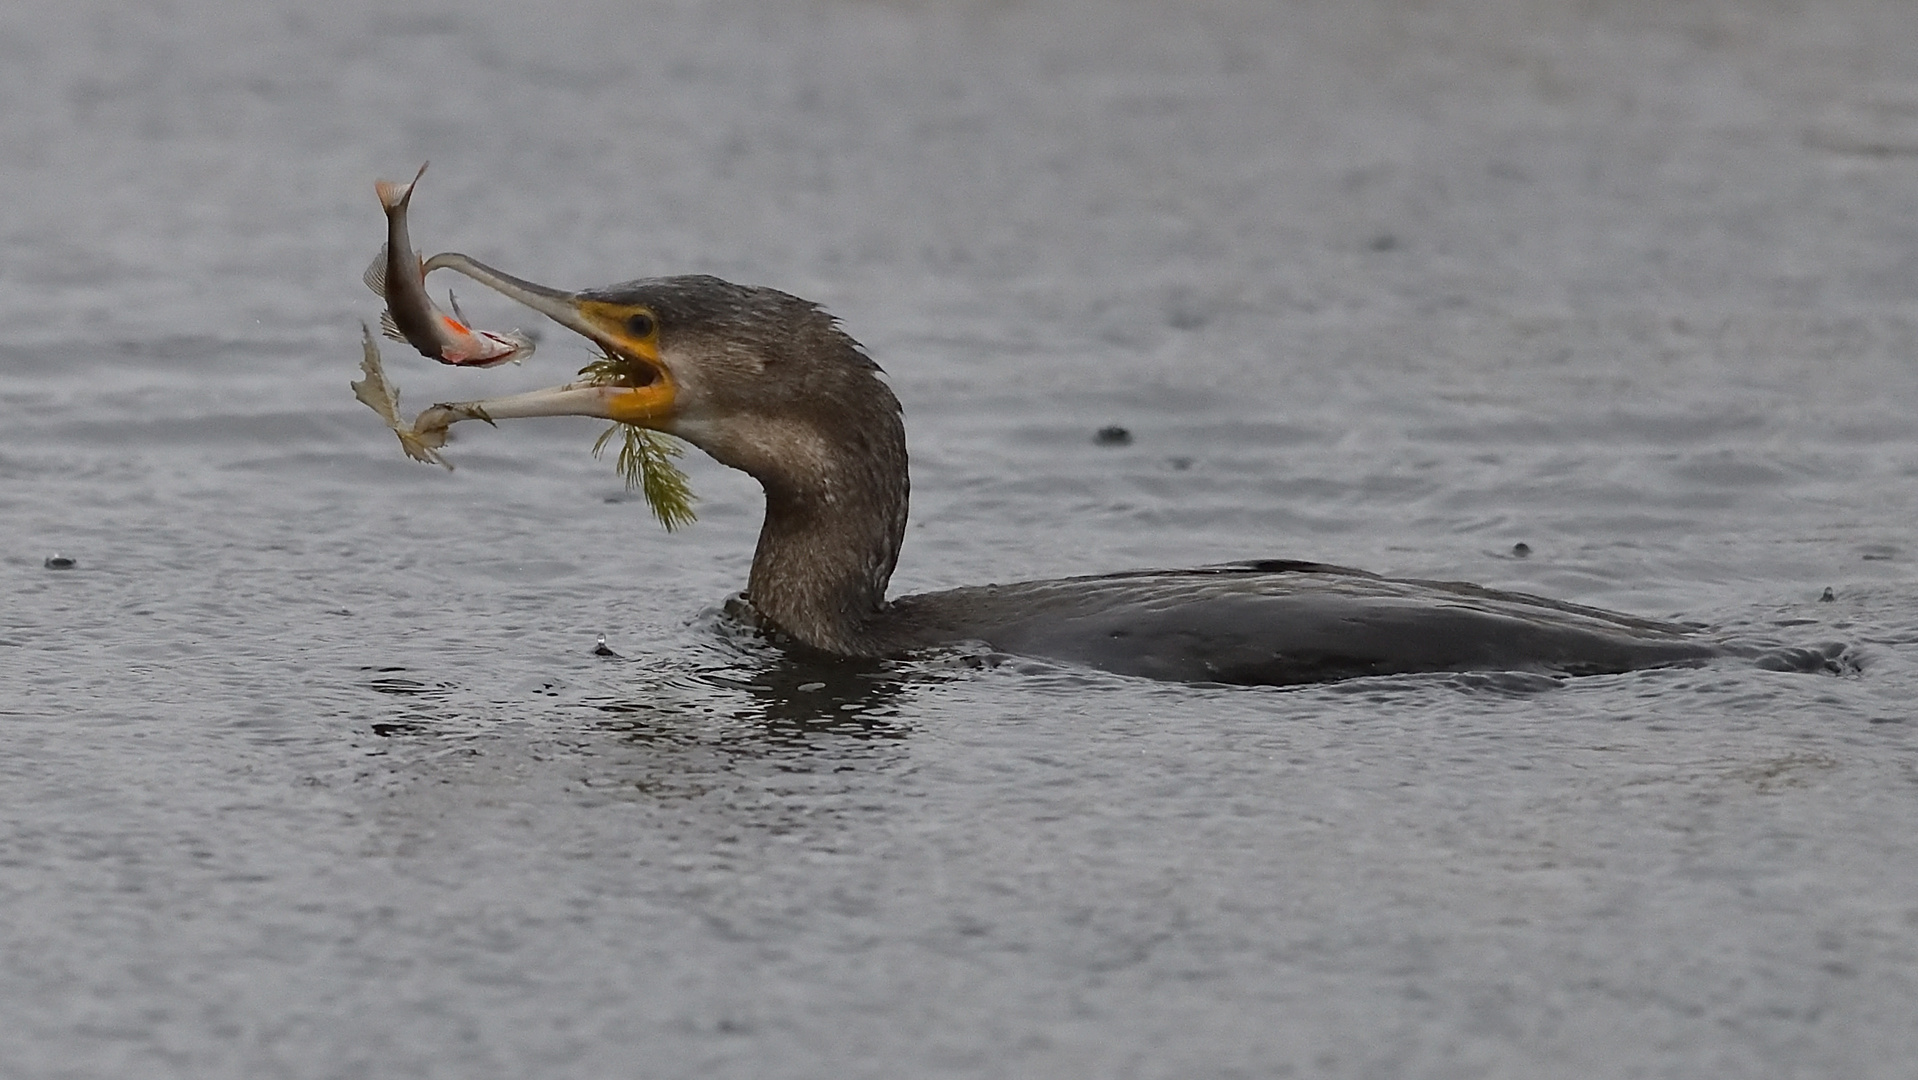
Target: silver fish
x=399, y=276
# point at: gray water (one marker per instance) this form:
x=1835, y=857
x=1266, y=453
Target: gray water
x=308, y=767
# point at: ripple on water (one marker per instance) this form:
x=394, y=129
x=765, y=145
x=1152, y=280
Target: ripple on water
x=310, y=766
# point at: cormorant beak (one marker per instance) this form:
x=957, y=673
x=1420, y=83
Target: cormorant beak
x=638, y=389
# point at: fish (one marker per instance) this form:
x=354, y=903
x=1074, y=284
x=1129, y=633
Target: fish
x=398, y=275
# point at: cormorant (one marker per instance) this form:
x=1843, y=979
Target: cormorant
x=770, y=384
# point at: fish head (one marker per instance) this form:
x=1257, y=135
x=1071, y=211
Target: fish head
x=630, y=383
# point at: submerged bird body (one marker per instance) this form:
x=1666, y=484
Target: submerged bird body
x=1282, y=623
x=770, y=384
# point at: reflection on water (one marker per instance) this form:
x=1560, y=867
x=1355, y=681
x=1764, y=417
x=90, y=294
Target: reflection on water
x=669, y=725
x=783, y=701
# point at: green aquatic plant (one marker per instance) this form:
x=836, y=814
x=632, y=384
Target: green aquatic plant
x=645, y=456
x=646, y=461
x=608, y=370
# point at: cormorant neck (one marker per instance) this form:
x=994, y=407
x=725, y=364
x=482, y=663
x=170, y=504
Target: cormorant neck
x=834, y=472
x=824, y=558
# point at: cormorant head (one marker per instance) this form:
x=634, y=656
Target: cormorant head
x=762, y=380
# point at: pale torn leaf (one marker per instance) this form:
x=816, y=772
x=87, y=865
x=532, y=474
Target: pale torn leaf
x=384, y=399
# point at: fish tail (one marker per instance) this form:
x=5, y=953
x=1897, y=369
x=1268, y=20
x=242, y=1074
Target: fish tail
x=394, y=195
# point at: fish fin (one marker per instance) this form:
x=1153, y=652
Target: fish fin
x=375, y=276
x=390, y=328
x=394, y=195
x=454, y=303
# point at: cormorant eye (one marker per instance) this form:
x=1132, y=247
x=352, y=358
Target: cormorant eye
x=640, y=325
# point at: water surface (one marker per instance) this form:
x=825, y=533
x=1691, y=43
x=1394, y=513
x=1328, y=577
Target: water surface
x=310, y=769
